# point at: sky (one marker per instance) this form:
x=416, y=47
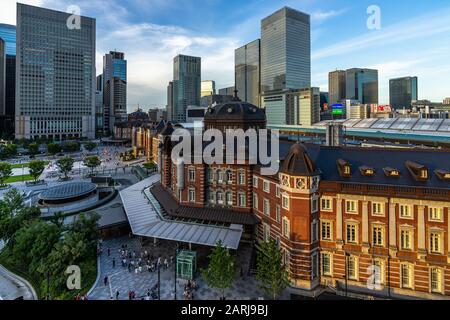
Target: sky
x=413, y=39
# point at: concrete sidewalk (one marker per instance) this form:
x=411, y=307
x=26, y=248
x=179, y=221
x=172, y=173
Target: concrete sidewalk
x=12, y=286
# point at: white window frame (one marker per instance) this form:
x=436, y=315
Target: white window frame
x=266, y=186
x=375, y=207
x=315, y=231
x=353, y=204
x=435, y=247
x=278, y=213
x=405, y=208
x=191, y=174
x=255, y=182
x=191, y=195
x=408, y=268
x=266, y=207
x=410, y=238
x=378, y=235
x=439, y=280
x=286, y=228
x=435, y=214
x=329, y=272
x=285, y=205
x=329, y=204
x=347, y=234
x=241, y=178
x=328, y=225
x=355, y=268
x=229, y=201
x=242, y=201
x=278, y=191
x=255, y=201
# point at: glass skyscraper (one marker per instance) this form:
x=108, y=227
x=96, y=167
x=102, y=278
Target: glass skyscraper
x=115, y=89
x=285, y=50
x=8, y=34
x=186, y=85
x=248, y=72
x=403, y=91
x=55, y=83
x=362, y=85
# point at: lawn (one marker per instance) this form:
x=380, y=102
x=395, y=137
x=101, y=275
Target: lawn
x=25, y=177
x=25, y=165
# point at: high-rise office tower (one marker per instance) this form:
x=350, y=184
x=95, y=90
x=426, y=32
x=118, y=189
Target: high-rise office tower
x=2, y=76
x=228, y=91
x=186, y=85
x=336, y=86
x=403, y=91
x=208, y=88
x=169, y=107
x=115, y=89
x=362, y=85
x=99, y=107
x=247, y=61
x=285, y=50
x=55, y=82
x=8, y=34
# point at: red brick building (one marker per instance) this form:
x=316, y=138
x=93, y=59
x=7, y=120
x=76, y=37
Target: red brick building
x=367, y=221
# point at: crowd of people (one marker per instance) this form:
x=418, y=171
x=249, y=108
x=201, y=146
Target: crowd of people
x=189, y=290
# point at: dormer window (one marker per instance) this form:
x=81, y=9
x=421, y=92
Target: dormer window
x=344, y=168
x=443, y=174
x=367, y=171
x=418, y=171
x=391, y=172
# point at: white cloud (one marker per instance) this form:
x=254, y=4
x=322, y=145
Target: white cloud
x=8, y=9
x=321, y=16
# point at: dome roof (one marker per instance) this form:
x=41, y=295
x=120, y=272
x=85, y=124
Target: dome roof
x=298, y=163
x=236, y=111
x=67, y=191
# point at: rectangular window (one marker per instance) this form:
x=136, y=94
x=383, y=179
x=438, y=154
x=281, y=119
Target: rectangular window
x=191, y=175
x=191, y=195
x=229, y=198
x=241, y=200
x=286, y=228
x=286, y=202
x=326, y=204
x=352, y=265
x=278, y=191
x=255, y=182
x=314, y=205
x=377, y=209
x=436, y=280
x=326, y=231
x=266, y=186
x=378, y=236
x=405, y=211
x=266, y=232
x=435, y=242
x=352, y=233
x=255, y=201
x=435, y=214
x=267, y=207
x=405, y=239
x=241, y=177
x=379, y=270
x=315, y=231
x=351, y=206
x=326, y=264
x=278, y=213
x=315, y=265
x=406, y=276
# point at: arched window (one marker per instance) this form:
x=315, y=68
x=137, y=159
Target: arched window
x=229, y=197
x=220, y=198
x=219, y=176
x=210, y=174
x=229, y=177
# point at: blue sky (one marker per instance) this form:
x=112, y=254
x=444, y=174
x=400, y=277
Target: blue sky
x=414, y=38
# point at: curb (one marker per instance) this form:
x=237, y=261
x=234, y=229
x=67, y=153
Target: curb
x=20, y=279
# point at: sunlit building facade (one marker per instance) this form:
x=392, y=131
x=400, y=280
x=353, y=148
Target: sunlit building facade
x=248, y=72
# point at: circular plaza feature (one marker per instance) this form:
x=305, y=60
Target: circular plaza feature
x=67, y=193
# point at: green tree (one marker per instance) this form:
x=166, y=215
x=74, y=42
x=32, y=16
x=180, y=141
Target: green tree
x=53, y=148
x=5, y=172
x=271, y=272
x=33, y=148
x=92, y=163
x=11, y=150
x=71, y=146
x=89, y=146
x=150, y=166
x=36, y=168
x=221, y=269
x=65, y=165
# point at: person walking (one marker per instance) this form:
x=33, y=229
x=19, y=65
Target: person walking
x=114, y=263
x=117, y=294
x=109, y=252
x=105, y=281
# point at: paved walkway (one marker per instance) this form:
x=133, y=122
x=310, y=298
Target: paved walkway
x=124, y=281
x=13, y=287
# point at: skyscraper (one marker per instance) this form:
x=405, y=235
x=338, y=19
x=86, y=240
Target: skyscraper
x=248, y=72
x=228, y=91
x=55, y=83
x=208, y=88
x=336, y=86
x=170, y=101
x=362, y=85
x=8, y=34
x=115, y=89
x=99, y=107
x=285, y=50
x=186, y=85
x=2, y=76
x=403, y=91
